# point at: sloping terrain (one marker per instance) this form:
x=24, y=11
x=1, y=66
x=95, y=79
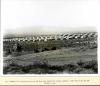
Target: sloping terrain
x=53, y=61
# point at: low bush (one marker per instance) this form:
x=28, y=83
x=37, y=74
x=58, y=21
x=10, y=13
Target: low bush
x=80, y=63
x=42, y=67
x=53, y=48
x=89, y=65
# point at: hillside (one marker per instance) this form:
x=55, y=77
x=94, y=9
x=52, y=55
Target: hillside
x=54, y=58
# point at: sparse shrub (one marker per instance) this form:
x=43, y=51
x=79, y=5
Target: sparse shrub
x=19, y=48
x=93, y=46
x=80, y=63
x=45, y=49
x=95, y=68
x=55, y=67
x=36, y=50
x=11, y=67
x=16, y=53
x=53, y=48
x=78, y=70
x=71, y=67
x=86, y=71
x=9, y=51
x=25, y=69
x=89, y=64
x=37, y=71
x=42, y=67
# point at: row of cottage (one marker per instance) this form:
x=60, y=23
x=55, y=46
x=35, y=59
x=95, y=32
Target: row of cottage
x=54, y=37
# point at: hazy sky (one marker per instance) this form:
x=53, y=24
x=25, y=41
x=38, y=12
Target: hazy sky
x=36, y=16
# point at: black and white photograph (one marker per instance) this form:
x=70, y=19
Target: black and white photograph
x=49, y=37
